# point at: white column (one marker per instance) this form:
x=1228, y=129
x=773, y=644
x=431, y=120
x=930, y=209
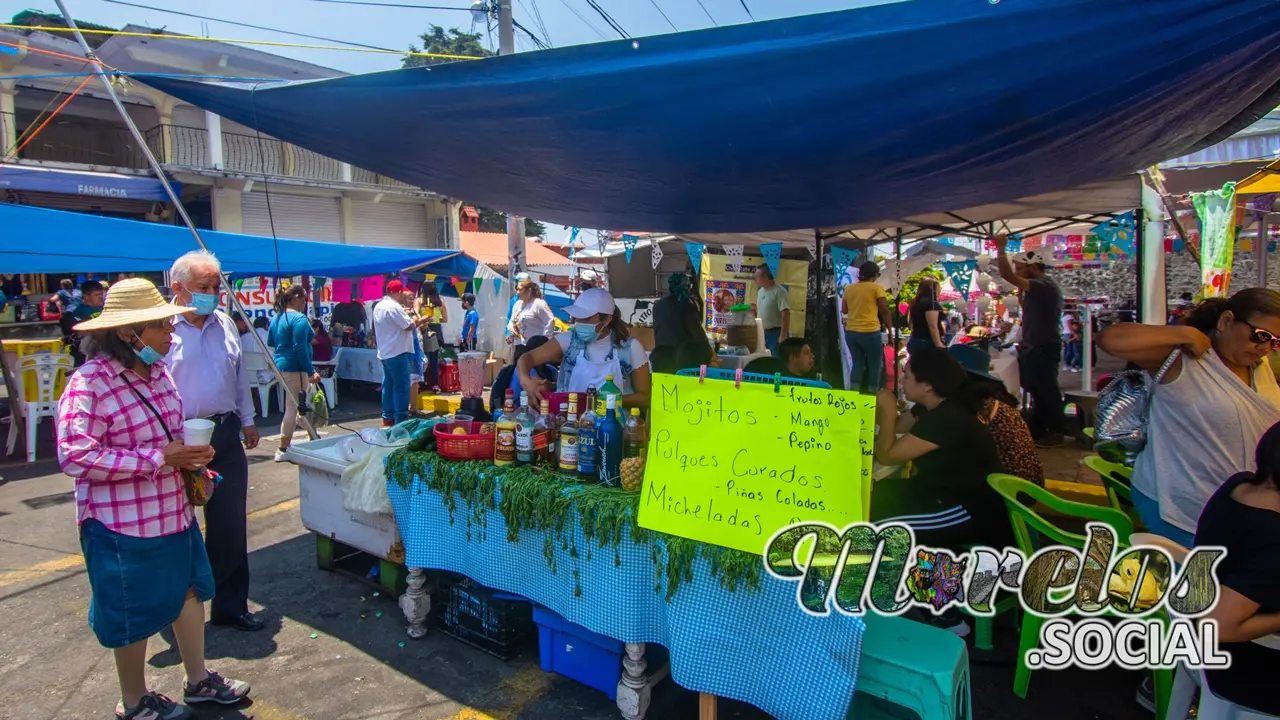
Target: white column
x=1260, y=250
x=8, y=128
x=348, y=220
x=346, y=172
x=228, y=210
x=213, y=127
x=1155, y=309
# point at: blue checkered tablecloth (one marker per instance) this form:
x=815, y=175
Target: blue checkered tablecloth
x=756, y=646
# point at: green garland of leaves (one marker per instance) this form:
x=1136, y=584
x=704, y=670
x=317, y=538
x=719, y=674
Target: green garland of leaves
x=538, y=499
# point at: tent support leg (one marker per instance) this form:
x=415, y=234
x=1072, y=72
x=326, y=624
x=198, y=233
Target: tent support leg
x=820, y=311
x=1139, y=220
x=173, y=197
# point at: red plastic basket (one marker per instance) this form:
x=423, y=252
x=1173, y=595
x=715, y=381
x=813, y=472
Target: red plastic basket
x=556, y=401
x=471, y=446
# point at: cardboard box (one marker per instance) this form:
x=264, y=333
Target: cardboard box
x=644, y=335
x=492, y=367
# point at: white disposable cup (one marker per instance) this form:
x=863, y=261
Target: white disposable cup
x=197, y=431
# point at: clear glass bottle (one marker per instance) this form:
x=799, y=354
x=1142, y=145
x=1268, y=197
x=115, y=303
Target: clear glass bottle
x=543, y=436
x=525, y=421
x=636, y=435
x=567, y=447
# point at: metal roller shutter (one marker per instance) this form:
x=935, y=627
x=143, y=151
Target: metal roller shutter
x=298, y=217
x=390, y=224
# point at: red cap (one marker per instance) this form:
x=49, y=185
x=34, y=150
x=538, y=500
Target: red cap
x=394, y=287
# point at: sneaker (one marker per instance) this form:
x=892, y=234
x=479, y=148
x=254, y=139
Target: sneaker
x=1050, y=440
x=388, y=423
x=1146, y=695
x=280, y=456
x=154, y=706
x=215, y=689
x=950, y=621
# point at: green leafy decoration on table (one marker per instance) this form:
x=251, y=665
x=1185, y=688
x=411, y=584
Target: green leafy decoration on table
x=539, y=500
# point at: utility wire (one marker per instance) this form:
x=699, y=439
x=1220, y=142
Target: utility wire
x=658, y=7
x=392, y=5
x=612, y=23
x=744, y=7
x=537, y=17
x=708, y=12
x=584, y=20
x=536, y=40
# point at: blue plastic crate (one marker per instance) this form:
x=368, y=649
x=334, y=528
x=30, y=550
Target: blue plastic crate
x=577, y=653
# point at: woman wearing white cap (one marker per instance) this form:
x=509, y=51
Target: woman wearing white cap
x=598, y=346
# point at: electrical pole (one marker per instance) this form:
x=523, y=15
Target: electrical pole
x=515, y=225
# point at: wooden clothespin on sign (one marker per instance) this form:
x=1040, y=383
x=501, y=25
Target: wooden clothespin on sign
x=777, y=382
x=702, y=374
x=737, y=379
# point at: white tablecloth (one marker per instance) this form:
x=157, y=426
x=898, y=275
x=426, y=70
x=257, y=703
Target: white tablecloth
x=360, y=364
x=1005, y=367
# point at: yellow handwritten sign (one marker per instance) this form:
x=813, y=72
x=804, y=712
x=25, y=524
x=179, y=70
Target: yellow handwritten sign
x=730, y=466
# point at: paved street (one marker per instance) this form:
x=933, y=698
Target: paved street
x=355, y=667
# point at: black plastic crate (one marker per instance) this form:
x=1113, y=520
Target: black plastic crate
x=484, y=618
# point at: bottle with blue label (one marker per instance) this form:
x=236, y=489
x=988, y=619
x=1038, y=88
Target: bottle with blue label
x=588, y=454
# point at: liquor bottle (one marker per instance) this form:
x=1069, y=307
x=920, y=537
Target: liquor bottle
x=558, y=422
x=542, y=436
x=567, y=459
x=588, y=454
x=524, y=431
x=504, y=443
x=609, y=441
x=605, y=391
x=636, y=436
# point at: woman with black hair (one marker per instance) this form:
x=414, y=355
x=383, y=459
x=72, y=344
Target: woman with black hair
x=925, y=317
x=429, y=305
x=1000, y=413
x=1243, y=516
x=1212, y=405
x=947, y=503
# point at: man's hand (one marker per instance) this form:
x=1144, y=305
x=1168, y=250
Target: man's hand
x=187, y=457
x=1001, y=241
x=251, y=437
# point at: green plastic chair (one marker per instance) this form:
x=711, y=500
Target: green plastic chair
x=914, y=666
x=1088, y=432
x=1116, y=478
x=1025, y=519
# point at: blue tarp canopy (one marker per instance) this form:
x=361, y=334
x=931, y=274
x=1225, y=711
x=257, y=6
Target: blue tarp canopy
x=832, y=120
x=37, y=240
x=84, y=184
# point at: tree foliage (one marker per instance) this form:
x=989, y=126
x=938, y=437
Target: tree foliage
x=494, y=221
x=909, y=286
x=445, y=42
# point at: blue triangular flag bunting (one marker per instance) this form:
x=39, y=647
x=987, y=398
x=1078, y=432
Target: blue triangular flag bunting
x=1118, y=231
x=694, y=251
x=1015, y=243
x=441, y=284
x=629, y=244
x=772, y=253
x=841, y=259
x=497, y=284
x=961, y=275
x=573, y=236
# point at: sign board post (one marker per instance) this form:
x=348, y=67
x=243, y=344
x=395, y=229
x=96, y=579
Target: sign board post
x=731, y=465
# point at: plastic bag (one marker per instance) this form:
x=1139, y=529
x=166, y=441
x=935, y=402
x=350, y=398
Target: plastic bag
x=319, y=407
x=364, y=483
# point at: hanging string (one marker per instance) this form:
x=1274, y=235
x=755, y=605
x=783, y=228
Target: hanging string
x=17, y=148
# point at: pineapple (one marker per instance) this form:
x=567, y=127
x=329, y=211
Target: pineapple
x=632, y=473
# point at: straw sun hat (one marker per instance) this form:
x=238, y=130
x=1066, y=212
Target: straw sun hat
x=131, y=302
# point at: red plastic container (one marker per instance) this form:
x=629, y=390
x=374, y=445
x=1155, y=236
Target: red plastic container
x=557, y=401
x=470, y=446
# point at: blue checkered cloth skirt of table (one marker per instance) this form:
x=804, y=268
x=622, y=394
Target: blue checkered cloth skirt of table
x=756, y=646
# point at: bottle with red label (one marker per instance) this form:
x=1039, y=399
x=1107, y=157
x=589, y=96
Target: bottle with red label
x=504, y=442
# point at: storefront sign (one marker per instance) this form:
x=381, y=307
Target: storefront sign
x=260, y=300
x=732, y=465
x=723, y=287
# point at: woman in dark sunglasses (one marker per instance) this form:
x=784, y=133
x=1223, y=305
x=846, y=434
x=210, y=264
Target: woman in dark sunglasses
x=1213, y=404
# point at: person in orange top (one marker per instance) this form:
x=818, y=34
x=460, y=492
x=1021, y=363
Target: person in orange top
x=866, y=315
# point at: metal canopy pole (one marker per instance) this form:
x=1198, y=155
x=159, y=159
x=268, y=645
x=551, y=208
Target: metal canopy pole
x=822, y=306
x=173, y=197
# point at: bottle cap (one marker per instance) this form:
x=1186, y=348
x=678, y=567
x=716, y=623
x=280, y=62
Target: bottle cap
x=635, y=411
x=573, y=396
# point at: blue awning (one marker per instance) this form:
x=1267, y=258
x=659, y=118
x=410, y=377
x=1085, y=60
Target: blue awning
x=829, y=120
x=84, y=184
x=38, y=240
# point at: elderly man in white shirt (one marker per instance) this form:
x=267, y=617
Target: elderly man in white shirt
x=394, y=329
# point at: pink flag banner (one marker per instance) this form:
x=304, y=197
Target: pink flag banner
x=341, y=291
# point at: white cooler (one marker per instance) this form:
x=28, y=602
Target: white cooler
x=320, y=465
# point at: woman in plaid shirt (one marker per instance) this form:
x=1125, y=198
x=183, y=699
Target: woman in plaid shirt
x=120, y=436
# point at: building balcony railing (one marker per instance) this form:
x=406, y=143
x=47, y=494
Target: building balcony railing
x=106, y=145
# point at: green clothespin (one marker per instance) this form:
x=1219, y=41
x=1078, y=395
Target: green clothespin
x=777, y=382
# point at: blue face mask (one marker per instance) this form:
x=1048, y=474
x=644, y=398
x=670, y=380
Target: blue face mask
x=204, y=303
x=147, y=354
x=586, y=332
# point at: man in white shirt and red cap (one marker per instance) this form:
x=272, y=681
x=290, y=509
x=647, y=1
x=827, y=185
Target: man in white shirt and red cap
x=394, y=328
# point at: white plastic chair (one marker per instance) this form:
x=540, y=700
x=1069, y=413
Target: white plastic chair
x=46, y=368
x=330, y=384
x=253, y=362
x=1186, y=682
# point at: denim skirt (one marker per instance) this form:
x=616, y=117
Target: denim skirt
x=139, y=585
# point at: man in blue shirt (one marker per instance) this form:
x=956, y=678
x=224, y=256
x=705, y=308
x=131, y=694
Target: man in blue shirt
x=470, y=322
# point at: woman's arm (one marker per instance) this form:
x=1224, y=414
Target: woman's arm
x=1149, y=345
x=304, y=338
x=549, y=353
x=1239, y=620
x=931, y=317
x=890, y=449
x=444, y=313
x=642, y=385
x=81, y=422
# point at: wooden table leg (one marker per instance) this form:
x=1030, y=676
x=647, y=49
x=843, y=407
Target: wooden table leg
x=633, y=688
x=416, y=603
x=706, y=706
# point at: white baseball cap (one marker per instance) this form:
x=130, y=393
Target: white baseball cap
x=520, y=276
x=595, y=301
x=589, y=275
x=1029, y=258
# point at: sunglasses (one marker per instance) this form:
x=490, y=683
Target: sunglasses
x=1260, y=336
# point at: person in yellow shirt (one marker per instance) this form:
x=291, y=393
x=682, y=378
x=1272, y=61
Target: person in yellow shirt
x=866, y=314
